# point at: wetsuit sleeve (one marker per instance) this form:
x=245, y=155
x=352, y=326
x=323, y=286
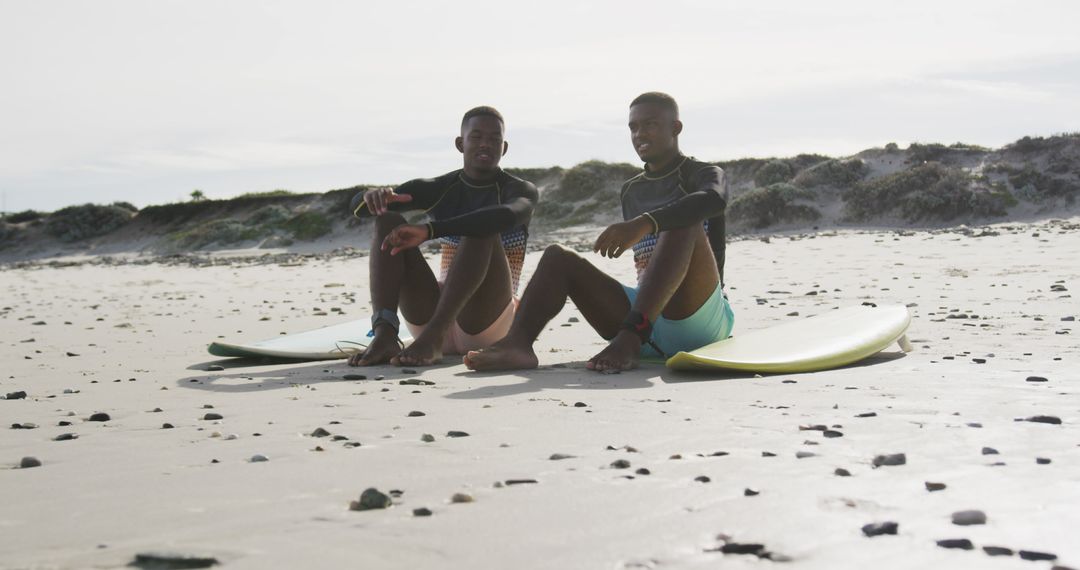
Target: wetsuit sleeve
x=425, y=193
x=516, y=210
x=706, y=198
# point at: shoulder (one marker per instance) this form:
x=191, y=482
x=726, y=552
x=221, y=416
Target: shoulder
x=692, y=167
x=515, y=185
x=439, y=182
x=630, y=182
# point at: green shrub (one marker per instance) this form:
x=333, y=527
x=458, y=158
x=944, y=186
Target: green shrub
x=773, y=172
x=8, y=233
x=1036, y=185
x=127, y=206
x=75, y=223
x=833, y=173
x=269, y=194
x=24, y=216
x=537, y=176
x=777, y=203
x=309, y=225
x=892, y=148
x=588, y=178
x=272, y=216
x=929, y=191
x=220, y=232
x=549, y=210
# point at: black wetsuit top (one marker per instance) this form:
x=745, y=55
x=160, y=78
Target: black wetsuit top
x=458, y=206
x=688, y=192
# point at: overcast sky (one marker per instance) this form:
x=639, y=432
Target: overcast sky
x=145, y=101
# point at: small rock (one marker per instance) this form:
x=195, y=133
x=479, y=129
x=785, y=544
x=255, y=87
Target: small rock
x=768, y=454
x=841, y=472
x=99, y=417
x=965, y=518
x=620, y=464
x=416, y=414
x=66, y=437
x=319, y=432
x=20, y=395
x=408, y=371
x=1035, y=555
x=804, y=454
x=960, y=543
x=354, y=377
x=370, y=499
x=1042, y=460
x=416, y=382
x=998, y=551
x=213, y=416
x=1035, y=379
x=580, y=405
x=521, y=482
x=28, y=462
x=643, y=471
x=1044, y=420
x=890, y=459
x=461, y=498
x=167, y=426
x=702, y=479
x=989, y=451
x=814, y=427
x=559, y=456
x=171, y=560
x=421, y=512
x=934, y=486
x=866, y=415
x=456, y=434
x=24, y=425
x=832, y=433
x=259, y=458
x=215, y=368
x=748, y=492
x=427, y=438
x=878, y=529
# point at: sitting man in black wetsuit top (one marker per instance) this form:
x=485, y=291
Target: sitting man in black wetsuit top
x=481, y=216
x=674, y=214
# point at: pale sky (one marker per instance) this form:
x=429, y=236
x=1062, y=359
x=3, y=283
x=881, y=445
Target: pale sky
x=146, y=100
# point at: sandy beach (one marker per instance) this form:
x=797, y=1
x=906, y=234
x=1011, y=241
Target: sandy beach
x=566, y=468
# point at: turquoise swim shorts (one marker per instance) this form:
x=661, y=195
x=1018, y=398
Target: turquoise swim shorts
x=710, y=323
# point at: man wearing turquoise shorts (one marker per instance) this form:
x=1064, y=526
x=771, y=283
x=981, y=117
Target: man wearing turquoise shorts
x=674, y=222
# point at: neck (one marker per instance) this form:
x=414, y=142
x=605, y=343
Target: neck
x=664, y=162
x=481, y=175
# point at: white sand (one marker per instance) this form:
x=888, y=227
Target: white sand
x=140, y=331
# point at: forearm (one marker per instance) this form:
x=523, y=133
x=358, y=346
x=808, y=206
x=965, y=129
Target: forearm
x=691, y=209
x=483, y=222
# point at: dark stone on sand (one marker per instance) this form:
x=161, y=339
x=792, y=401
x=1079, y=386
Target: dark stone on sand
x=620, y=464
x=998, y=551
x=215, y=368
x=989, y=451
x=960, y=543
x=319, y=432
x=580, y=405
x=1042, y=460
x=416, y=414
x=979, y=360
x=1036, y=379
x=213, y=416
x=63, y=423
x=28, y=462
x=371, y=498
x=456, y=434
x=1036, y=555
x=934, y=486
x=748, y=492
x=167, y=426
x=878, y=529
x=351, y=444
x=259, y=458
x=702, y=479
x=643, y=471
x=24, y=425
x=408, y=371
x=99, y=417
x=1054, y=420
x=421, y=512
x=427, y=438
x=66, y=437
x=841, y=472
x=718, y=454
x=741, y=548
x=804, y=454
x=339, y=438
x=157, y=410
x=72, y=354
x=815, y=427
x=866, y=415
x=967, y=518
x=560, y=456
x=890, y=459
x=171, y=561
x=416, y=382
x=768, y=454
x=974, y=425
x=509, y=482
x=832, y=433
x=20, y=395
x=354, y=377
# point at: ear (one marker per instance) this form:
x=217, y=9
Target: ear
x=506, y=146
x=677, y=128
x=460, y=144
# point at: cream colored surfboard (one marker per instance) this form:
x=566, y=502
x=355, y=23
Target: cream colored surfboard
x=832, y=339
x=327, y=343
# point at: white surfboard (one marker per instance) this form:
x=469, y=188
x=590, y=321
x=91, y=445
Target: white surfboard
x=829, y=340
x=328, y=343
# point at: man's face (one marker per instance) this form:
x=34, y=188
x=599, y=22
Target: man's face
x=482, y=143
x=653, y=131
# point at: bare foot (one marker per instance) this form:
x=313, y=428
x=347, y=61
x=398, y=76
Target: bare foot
x=422, y=352
x=382, y=348
x=621, y=354
x=502, y=356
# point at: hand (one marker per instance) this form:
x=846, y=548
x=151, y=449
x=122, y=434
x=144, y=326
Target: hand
x=378, y=200
x=405, y=236
x=620, y=237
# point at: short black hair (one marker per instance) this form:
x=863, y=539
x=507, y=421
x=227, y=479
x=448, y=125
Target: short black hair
x=481, y=111
x=662, y=99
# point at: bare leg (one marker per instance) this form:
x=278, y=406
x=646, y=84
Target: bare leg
x=681, y=276
x=404, y=278
x=561, y=274
x=479, y=280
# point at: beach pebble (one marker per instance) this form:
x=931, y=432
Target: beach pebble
x=841, y=472
x=878, y=529
x=1036, y=379
x=1043, y=420
x=620, y=464
x=804, y=454
x=213, y=416
x=643, y=471
x=71, y=390
x=24, y=425
x=456, y=434
x=66, y=437
x=167, y=426
x=960, y=543
x=934, y=486
x=28, y=462
x=415, y=414
x=171, y=560
x=259, y=458
x=99, y=417
x=832, y=433
x=890, y=459
x=416, y=382
x=521, y=482
x=354, y=377
x=813, y=427
x=461, y=498
x=421, y=512
x=559, y=456
x=427, y=438
x=702, y=479
x=749, y=492
x=231, y=437
x=989, y=451
x=381, y=377
x=408, y=371
x=998, y=551
x=319, y=432
x=866, y=415
x=370, y=499
x=20, y=395
x=1042, y=460
x=1036, y=555
x=215, y=368
x=965, y=518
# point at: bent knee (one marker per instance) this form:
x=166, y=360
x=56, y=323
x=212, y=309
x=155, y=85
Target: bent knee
x=387, y=221
x=559, y=254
